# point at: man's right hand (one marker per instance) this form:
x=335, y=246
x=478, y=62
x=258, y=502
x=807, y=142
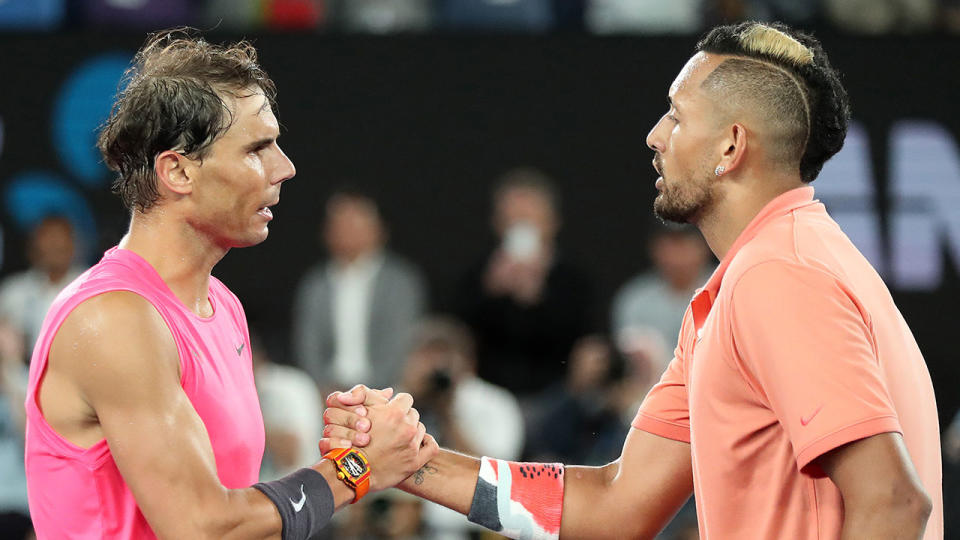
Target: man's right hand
x=388, y=429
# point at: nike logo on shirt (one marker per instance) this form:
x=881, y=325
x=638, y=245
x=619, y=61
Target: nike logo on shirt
x=298, y=505
x=806, y=420
x=240, y=348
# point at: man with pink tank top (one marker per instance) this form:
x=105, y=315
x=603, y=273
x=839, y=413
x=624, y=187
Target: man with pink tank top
x=142, y=416
x=798, y=404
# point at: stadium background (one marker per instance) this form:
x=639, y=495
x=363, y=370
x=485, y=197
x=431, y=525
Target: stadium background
x=427, y=122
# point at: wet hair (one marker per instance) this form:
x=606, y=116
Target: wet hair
x=786, y=76
x=174, y=97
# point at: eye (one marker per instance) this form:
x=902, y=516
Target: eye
x=673, y=118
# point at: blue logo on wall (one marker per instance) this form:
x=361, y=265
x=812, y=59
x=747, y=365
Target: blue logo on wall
x=82, y=104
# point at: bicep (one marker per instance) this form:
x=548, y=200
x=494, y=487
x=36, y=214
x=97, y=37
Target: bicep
x=155, y=436
x=866, y=468
x=650, y=482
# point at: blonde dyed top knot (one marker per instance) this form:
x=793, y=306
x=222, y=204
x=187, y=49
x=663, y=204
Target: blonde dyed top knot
x=763, y=39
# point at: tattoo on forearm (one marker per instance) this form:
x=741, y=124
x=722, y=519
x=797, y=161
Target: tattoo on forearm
x=426, y=469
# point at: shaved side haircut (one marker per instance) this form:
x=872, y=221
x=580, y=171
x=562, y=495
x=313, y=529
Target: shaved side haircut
x=784, y=77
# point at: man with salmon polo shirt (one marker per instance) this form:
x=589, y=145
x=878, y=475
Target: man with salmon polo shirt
x=798, y=404
x=142, y=414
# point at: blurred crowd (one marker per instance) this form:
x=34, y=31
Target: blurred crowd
x=412, y=16
x=519, y=368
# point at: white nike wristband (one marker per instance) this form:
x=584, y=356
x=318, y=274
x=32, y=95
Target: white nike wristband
x=304, y=500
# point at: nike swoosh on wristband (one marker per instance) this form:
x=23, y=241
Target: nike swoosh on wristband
x=805, y=421
x=298, y=505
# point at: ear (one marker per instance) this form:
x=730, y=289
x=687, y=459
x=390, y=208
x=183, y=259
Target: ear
x=172, y=171
x=734, y=149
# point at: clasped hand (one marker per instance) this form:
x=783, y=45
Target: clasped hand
x=386, y=427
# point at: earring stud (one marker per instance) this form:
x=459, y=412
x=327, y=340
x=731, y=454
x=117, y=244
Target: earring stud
x=719, y=170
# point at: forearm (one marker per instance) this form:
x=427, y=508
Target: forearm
x=451, y=478
x=248, y=514
x=448, y=479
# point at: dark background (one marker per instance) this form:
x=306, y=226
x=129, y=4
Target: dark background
x=427, y=124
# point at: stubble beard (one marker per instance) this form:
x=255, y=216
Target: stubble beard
x=684, y=202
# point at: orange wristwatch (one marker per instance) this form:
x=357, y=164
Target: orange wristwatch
x=353, y=468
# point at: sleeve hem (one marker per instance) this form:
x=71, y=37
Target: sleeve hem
x=848, y=434
x=663, y=428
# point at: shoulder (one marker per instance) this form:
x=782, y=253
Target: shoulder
x=14, y=283
x=478, y=392
x=398, y=265
x=315, y=276
x=287, y=379
x=114, y=334
x=639, y=285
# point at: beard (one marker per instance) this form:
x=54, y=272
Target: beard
x=684, y=201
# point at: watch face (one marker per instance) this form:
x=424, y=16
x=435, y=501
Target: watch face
x=353, y=465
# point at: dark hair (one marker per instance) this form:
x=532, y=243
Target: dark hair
x=826, y=99
x=173, y=99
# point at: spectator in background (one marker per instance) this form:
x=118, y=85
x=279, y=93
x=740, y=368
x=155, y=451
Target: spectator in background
x=578, y=419
x=881, y=16
x=354, y=313
x=460, y=409
x=525, y=304
x=291, y=406
x=645, y=356
x=14, y=513
x=657, y=299
x=380, y=16
x=26, y=296
x=791, y=11
x=496, y=15
x=644, y=16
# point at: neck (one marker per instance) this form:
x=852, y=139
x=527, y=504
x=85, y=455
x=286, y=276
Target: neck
x=739, y=200
x=181, y=255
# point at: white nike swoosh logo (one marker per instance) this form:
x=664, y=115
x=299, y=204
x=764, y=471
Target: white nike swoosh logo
x=298, y=505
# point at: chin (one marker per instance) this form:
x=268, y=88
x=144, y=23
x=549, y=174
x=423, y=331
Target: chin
x=252, y=240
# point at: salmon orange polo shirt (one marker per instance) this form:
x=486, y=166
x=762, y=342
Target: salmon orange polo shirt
x=793, y=348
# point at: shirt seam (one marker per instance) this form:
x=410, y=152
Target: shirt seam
x=843, y=428
x=661, y=420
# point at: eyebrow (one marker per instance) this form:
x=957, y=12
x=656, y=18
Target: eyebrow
x=261, y=143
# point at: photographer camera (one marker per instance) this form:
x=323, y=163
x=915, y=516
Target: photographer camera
x=465, y=412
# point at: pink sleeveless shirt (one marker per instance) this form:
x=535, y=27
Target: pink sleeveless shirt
x=79, y=493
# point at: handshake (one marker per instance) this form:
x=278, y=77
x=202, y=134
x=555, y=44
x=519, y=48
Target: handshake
x=385, y=426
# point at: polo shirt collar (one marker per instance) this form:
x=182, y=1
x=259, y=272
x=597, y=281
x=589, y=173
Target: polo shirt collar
x=782, y=204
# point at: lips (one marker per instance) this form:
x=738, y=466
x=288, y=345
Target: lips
x=657, y=166
x=265, y=211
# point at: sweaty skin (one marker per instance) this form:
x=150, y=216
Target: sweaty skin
x=114, y=369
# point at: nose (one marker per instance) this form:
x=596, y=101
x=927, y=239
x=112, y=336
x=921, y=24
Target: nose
x=286, y=169
x=655, y=140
